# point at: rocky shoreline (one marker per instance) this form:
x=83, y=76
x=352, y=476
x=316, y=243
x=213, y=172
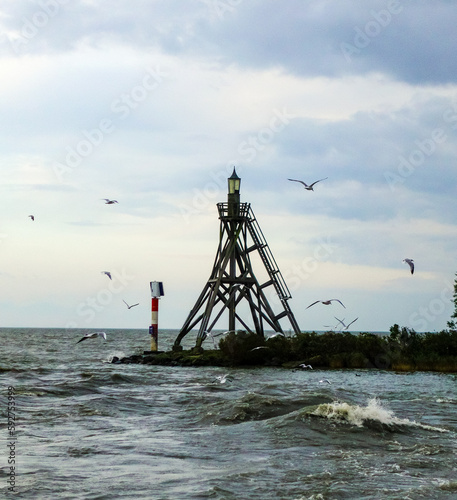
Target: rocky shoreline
x=216, y=358
x=403, y=350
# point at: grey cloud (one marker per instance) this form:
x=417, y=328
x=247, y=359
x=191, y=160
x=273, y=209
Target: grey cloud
x=370, y=142
x=410, y=41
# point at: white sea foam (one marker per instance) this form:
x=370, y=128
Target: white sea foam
x=116, y=354
x=317, y=496
x=359, y=415
x=446, y=484
x=446, y=401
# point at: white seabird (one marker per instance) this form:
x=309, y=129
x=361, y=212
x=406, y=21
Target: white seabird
x=92, y=336
x=305, y=366
x=410, y=263
x=327, y=302
x=206, y=332
x=310, y=186
x=276, y=334
x=345, y=327
x=214, y=335
x=224, y=378
x=109, y=202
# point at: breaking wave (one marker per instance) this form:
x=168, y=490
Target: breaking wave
x=372, y=415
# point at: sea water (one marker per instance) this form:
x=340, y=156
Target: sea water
x=88, y=429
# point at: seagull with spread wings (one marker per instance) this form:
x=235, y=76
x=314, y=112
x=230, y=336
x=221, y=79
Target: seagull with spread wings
x=223, y=378
x=310, y=186
x=130, y=307
x=326, y=302
x=92, y=336
x=275, y=334
x=345, y=327
x=109, y=202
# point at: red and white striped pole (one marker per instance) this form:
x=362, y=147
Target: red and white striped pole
x=154, y=328
x=156, y=292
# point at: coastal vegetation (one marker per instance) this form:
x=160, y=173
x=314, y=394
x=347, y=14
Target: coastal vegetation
x=402, y=350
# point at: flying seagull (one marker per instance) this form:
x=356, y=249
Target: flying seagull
x=32, y=217
x=206, y=333
x=305, y=366
x=214, y=335
x=275, y=334
x=325, y=380
x=410, y=263
x=130, y=307
x=333, y=327
x=326, y=302
x=223, y=333
x=224, y=378
x=109, y=202
x=310, y=187
x=107, y=274
x=346, y=326
x=92, y=336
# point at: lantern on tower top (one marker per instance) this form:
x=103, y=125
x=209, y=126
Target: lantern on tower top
x=234, y=183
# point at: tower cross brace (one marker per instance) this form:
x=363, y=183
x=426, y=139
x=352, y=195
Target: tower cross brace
x=232, y=279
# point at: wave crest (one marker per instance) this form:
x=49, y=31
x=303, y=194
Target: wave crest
x=372, y=415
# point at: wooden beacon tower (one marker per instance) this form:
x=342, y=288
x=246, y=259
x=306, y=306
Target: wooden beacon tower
x=232, y=279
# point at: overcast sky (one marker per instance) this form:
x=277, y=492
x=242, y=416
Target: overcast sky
x=152, y=103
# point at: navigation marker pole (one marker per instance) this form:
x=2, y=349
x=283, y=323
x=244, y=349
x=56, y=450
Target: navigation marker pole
x=156, y=293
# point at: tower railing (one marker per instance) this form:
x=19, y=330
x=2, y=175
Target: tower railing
x=242, y=213
x=267, y=257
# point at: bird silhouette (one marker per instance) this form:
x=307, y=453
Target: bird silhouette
x=326, y=302
x=109, y=202
x=345, y=327
x=130, y=307
x=410, y=263
x=32, y=217
x=310, y=186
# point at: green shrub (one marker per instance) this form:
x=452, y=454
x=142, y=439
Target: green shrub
x=357, y=360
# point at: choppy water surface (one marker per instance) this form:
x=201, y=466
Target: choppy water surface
x=88, y=429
